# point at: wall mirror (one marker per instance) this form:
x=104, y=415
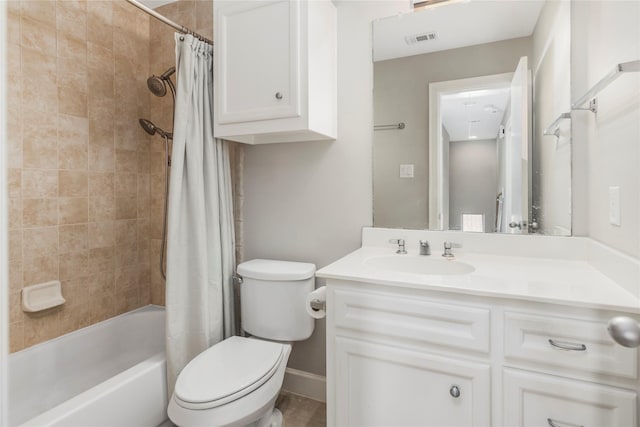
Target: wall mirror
x=466, y=96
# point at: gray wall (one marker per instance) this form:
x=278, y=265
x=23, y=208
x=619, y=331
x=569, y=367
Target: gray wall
x=401, y=95
x=473, y=177
x=308, y=201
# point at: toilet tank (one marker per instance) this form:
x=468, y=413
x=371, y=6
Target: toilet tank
x=273, y=296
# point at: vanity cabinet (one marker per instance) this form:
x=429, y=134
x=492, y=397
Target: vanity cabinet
x=413, y=357
x=275, y=71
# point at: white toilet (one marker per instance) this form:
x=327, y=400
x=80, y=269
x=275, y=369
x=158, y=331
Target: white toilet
x=237, y=381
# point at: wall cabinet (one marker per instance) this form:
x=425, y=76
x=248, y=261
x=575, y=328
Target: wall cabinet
x=409, y=357
x=275, y=71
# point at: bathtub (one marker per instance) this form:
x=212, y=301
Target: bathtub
x=108, y=374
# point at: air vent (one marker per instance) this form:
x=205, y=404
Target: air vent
x=417, y=38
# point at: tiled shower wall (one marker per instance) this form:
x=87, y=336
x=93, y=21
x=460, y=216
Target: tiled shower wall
x=79, y=164
x=197, y=15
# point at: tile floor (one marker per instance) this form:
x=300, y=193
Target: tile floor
x=300, y=411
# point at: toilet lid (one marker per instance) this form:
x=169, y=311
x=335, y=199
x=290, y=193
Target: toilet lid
x=231, y=368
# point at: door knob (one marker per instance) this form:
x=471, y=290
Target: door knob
x=278, y=95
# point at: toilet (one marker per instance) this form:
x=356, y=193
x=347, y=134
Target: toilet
x=237, y=381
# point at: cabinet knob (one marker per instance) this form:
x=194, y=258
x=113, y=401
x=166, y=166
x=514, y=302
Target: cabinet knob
x=454, y=391
x=278, y=95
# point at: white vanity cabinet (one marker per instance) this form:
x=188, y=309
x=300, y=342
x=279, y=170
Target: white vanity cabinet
x=277, y=85
x=404, y=356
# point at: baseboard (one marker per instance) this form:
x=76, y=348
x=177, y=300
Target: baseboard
x=305, y=384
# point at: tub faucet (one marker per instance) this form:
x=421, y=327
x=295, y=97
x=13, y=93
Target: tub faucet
x=425, y=249
x=400, y=243
x=447, y=249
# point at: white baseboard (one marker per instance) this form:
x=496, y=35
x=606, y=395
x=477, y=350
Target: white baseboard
x=305, y=384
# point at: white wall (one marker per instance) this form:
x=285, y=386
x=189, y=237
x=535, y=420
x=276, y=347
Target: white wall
x=551, y=159
x=607, y=144
x=473, y=177
x=309, y=201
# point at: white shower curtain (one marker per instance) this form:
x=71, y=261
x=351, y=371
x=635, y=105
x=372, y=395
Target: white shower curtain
x=200, y=255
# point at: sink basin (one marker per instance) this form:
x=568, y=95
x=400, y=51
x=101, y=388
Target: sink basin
x=419, y=265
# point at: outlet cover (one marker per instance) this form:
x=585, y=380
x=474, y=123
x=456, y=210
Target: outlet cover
x=406, y=171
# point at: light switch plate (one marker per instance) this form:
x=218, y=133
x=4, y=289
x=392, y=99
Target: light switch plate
x=406, y=171
x=614, y=206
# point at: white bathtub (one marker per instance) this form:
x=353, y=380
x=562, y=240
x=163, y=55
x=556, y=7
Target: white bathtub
x=108, y=374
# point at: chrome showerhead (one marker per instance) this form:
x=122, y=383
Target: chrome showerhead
x=158, y=84
x=152, y=129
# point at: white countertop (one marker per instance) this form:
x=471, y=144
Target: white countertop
x=559, y=281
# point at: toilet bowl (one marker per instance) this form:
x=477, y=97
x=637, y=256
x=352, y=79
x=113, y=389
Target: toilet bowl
x=245, y=376
x=237, y=381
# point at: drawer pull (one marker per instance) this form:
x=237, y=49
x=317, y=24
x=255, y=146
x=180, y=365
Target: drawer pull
x=278, y=95
x=454, y=391
x=554, y=423
x=563, y=345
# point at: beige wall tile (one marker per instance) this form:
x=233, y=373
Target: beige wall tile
x=16, y=334
x=126, y=279
x=99, y=20
x=101, y=158
x=38, y=270
x=126, y=161
x=16, y=275
x=39, y=183
x=40, y=327
x=102, y=208
x=15, y=311
x=73, y=183
x=40, y=146
x=73, y=210
x=126, y=232
x=14, y=177
x=69, y=73
x=101, y=234
x=41, y=10
x=101, y=184
x=40, y=242
x=126, y=185
x=71, y=18
x=102, y=259
x=73, y=140
x=15, y=245
x=73, y=265
x=73, y=238
x=72, y=48
x=38, y=36
x=15, y=213
x=72, y=100
x=126, y=208
x=39, y=212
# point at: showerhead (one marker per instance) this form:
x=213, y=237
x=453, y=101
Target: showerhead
x=157, y=84
x=152, y=129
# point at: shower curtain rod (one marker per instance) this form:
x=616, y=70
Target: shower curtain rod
x=169, y=22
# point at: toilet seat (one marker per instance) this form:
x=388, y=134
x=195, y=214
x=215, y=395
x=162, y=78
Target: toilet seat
x=227, y=371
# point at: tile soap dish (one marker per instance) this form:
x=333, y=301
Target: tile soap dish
x=42, y=296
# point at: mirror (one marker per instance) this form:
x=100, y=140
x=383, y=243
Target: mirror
x=466, y=94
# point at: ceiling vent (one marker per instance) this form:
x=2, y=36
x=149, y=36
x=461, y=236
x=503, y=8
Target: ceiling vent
x=418, y=38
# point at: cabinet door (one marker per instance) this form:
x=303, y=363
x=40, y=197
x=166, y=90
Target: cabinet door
x=257, y=60
x=380, y=385
x=535, y=400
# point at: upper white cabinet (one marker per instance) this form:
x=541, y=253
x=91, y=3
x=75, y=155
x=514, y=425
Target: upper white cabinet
x=275, y=71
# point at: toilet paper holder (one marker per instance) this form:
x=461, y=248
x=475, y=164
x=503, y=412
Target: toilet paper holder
x=317, y=305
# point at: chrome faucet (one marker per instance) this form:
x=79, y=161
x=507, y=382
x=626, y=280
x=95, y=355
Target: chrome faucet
x=425, y=249
x=400, y=243
x=447, y=249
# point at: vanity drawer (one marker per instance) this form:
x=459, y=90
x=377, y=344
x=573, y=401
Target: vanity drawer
x=457, y=326
x=577, y=344
x=542, y=400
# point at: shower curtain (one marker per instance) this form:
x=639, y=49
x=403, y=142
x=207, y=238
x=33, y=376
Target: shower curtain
x=200, y=255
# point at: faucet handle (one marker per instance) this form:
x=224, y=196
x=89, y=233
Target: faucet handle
x=425, y=249
x=400, y=243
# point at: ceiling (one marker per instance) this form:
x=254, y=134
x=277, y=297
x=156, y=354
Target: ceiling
x=475, y=114
x=456, y=23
